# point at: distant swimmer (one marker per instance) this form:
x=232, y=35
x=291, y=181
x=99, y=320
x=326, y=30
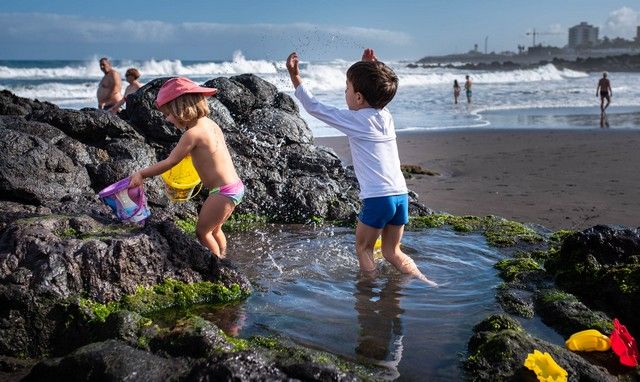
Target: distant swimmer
x=109, y=87
x=604, y=91
x=467, y=88
x=456, y=91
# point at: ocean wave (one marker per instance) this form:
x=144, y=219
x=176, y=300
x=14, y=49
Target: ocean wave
x=55, y=91
x=433, y=76
x=238, y=65
x=64, y=72
x=149, y=68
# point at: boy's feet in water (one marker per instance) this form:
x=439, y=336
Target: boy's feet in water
x=409, y=267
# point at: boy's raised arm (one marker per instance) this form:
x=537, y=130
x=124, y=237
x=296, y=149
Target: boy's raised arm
x=294, y=71
x=369, y=55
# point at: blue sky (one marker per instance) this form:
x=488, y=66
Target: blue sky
x=213, y=30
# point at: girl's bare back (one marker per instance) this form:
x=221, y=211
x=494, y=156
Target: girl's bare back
x=210, y=154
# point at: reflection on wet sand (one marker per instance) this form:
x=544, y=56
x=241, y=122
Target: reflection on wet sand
x=377, y=303
x=604, y=121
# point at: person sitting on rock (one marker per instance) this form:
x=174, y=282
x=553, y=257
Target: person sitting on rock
x=184, y=105
x=368, y=124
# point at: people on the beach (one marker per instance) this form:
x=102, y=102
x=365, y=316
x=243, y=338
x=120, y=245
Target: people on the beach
x=109, y=87
x=184, y=105
x=456, y=91
x=467, y=88
x=131, y=76
x=369, y=126
x=604, y=91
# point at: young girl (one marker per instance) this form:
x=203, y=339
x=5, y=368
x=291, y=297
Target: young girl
x=183, y=104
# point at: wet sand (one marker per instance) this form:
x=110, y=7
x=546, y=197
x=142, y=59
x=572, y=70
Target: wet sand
x=561, y=179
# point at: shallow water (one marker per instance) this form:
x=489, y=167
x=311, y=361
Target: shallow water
x=307, y=288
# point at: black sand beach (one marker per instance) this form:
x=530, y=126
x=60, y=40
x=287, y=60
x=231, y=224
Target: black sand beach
x=561, y=179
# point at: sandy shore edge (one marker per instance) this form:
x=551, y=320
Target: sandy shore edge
x=561, y=179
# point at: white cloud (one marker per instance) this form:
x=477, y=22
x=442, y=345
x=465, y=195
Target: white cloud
x=39, y=27
x=621, y=23
x=557, y=28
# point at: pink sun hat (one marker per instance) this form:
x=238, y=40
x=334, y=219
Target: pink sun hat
x=178, y=86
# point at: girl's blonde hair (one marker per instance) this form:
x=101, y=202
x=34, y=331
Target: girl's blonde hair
x=187, y=108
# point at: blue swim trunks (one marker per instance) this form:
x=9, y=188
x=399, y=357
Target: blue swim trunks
x=383, y=210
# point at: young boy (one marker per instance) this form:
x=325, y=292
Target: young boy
x=183, y=104
x=371, y=85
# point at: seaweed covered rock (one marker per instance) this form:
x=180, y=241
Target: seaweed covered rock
x=567, y=315
x=196, y=350
x=601, y=266
x=45, y=261
x=500, y=345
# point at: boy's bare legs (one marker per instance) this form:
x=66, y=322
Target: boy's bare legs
x=366, y=237
x=391, y=236
x=214, y=212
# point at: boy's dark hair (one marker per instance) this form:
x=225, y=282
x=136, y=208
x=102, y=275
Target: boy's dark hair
x=375, y=81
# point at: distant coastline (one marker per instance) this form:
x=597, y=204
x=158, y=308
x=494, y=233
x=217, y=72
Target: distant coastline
x=617, y=63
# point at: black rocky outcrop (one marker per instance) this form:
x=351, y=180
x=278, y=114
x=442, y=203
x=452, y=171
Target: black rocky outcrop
x=601, y=265
x=60, y=246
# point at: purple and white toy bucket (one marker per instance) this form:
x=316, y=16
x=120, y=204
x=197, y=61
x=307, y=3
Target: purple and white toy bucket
x=129, y=204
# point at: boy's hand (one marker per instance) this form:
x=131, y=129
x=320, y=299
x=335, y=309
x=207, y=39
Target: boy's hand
x=135, y=180
x=369, y=55
x=294, y=70
x=292, y=64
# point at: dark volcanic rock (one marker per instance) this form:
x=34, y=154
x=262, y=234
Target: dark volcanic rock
x=601, y=265
x=10, y=104
x=567, y=315
x=241, y=366
x=194, y=338
x=89, y=126
x=33, y=171
x=499, y=346
x=59, y=245
x=45, y=261
x=146, y=118
x=110, y=361
x=234, y=96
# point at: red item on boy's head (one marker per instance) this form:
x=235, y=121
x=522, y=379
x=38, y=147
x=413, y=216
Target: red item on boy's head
x=624, y=345
x=178, y=86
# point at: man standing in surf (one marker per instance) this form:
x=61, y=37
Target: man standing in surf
x=604, y=91
x=109, y=87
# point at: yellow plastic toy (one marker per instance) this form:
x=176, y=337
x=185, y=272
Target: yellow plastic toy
x=377, y=248
x=546, y=369
x=588, y=340
x=181, y=180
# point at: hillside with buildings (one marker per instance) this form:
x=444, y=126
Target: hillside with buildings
x=584, y=49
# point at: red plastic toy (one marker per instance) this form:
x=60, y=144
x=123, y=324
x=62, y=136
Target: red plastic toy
x=624, y=345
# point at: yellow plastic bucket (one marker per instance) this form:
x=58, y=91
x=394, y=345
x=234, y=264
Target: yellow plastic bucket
x=181, y=181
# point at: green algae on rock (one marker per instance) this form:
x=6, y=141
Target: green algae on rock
x=567, y=315
x=498, y=231
x=511, y=269
x=168, y=294
x=236, y=223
